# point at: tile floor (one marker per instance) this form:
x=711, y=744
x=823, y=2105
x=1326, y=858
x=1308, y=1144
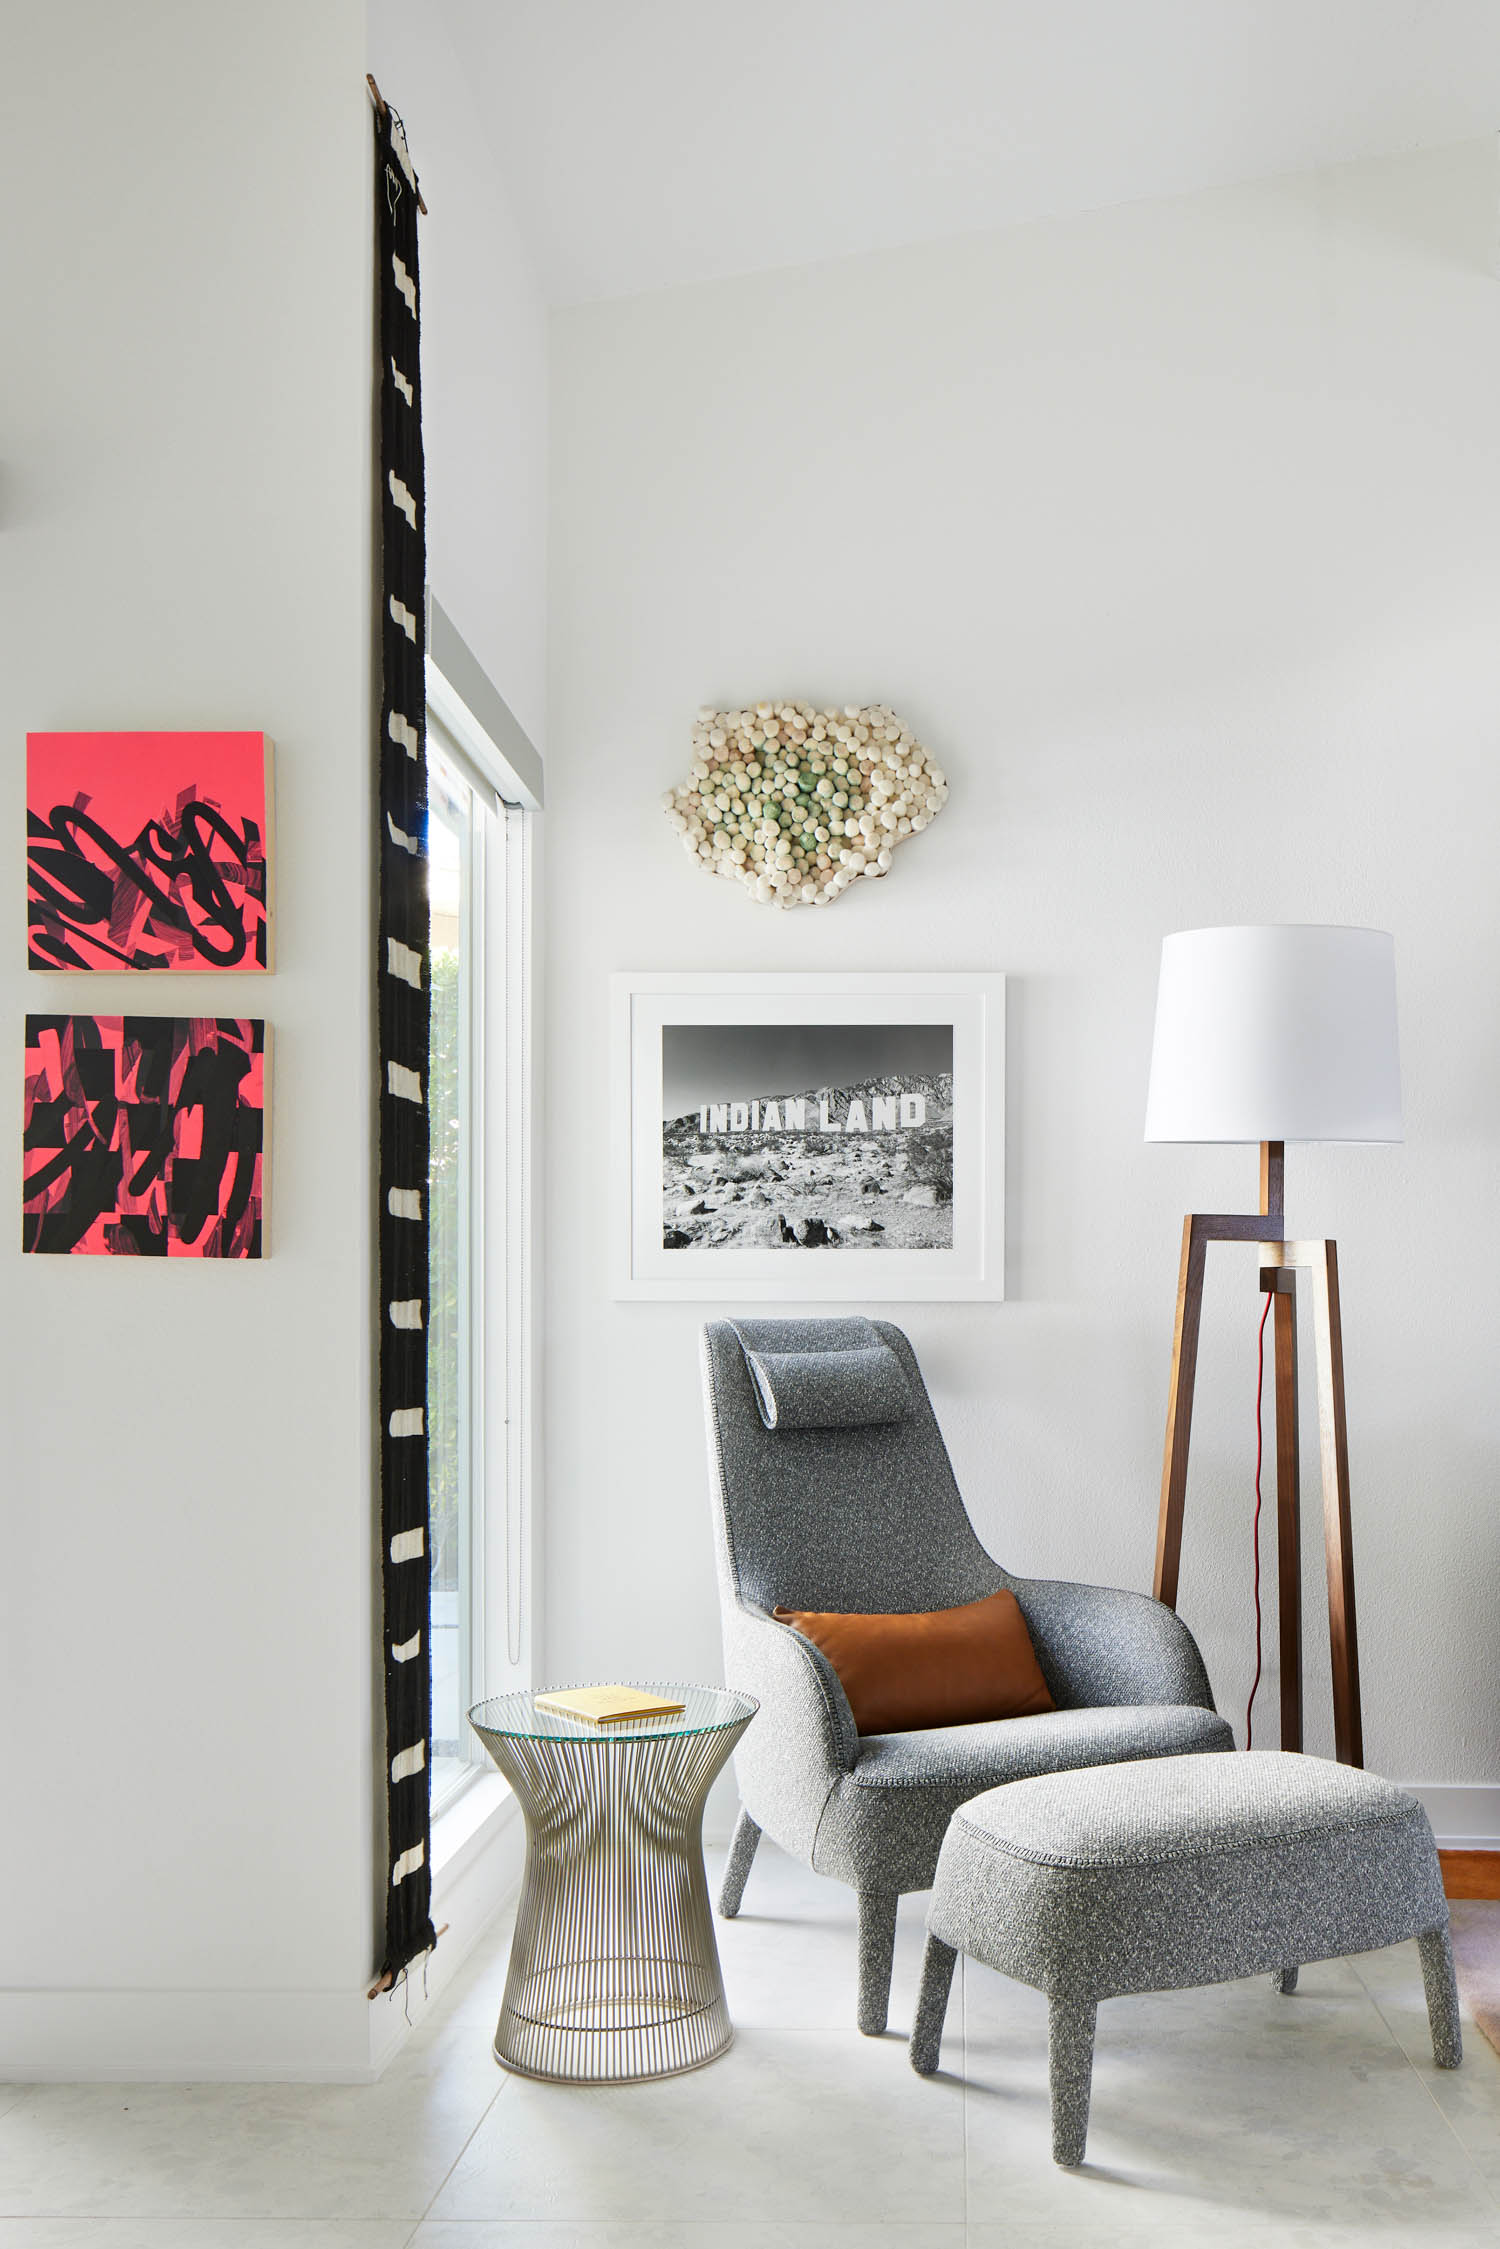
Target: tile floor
x=1221, y=2117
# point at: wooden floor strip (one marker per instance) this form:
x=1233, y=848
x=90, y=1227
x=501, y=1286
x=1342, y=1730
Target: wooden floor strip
x=1471, y=1874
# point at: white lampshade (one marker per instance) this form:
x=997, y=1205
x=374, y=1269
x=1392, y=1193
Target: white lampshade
x=1284, y=1032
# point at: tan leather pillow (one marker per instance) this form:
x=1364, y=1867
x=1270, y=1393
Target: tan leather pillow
x=941, y=1667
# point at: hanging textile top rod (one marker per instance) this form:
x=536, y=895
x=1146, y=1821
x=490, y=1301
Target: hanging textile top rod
x=379, y=100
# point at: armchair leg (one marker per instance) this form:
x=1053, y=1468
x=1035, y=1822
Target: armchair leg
x=877, y=1945
x=1070, y=2063
x=1436, y=1949
x=938, y=1963
x=737, y=1869
x=1284, y=1980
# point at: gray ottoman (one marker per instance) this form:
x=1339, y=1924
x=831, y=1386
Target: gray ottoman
x=1178, y=1871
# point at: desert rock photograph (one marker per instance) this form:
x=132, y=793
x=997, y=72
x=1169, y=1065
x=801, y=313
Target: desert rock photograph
x=763, y=1155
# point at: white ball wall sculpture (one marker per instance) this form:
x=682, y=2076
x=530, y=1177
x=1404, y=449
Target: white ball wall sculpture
x=798, y=803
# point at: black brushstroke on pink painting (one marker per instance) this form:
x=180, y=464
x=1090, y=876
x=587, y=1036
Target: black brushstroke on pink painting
x=86, y=889
x=204, y=1201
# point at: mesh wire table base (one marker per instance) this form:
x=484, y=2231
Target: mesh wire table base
x=614, y=1972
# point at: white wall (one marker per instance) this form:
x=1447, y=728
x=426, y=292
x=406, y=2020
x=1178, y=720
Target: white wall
x=185, y=1607
x=1175, y=531
x=484, y=360
x=187, y=1622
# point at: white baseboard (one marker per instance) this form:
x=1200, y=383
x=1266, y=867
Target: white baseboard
x=266, y=2037
x=476, y=1870
x=1465, y=1816
x=177, y=2037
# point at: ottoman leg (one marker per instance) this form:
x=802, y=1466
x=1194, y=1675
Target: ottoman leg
x=1436, y=1949
x=1070, y=2067
x=877, y=1945
x=737, y=1869
x=932, y=2005
x=1284, y=1980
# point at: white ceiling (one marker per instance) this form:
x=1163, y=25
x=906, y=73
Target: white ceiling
x=648, y=143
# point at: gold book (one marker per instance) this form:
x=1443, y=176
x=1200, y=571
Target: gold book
x=608, y=1706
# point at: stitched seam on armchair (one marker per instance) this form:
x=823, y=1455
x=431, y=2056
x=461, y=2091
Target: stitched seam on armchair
x=723, y=1498
x=933, y=1783
x=946, y=1779
x=831, y=1711
x=822, y=1816
x=830, y=1707
x=1218, y=1851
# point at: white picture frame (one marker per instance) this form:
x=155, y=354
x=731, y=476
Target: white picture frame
x=725, y=1023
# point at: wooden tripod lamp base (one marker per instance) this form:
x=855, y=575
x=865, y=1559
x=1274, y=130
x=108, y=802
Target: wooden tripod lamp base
x=1280, y=1263
x=1271, y=1032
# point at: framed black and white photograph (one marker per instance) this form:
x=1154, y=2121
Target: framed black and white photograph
x=810, y=1138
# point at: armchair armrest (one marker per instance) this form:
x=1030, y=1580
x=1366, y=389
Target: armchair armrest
x=797, y=1686
x=802, y=1740
x=1098, y=1645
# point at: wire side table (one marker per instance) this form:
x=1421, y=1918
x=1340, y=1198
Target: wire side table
x=614, y=1972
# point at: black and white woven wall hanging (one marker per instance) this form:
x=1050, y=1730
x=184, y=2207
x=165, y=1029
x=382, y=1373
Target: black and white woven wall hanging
x=404, y=1000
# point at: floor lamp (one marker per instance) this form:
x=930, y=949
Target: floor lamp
x=1273, y=1034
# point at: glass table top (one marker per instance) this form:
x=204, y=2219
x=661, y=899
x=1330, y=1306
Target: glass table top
x=705, y=1710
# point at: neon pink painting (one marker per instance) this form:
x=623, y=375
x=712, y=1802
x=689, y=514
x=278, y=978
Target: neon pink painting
x=144, y=1136
x=148, y=851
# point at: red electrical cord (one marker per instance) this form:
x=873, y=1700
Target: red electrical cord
x=1260, y=1383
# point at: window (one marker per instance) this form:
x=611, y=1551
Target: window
x=455, y=1516
x=476, y=1329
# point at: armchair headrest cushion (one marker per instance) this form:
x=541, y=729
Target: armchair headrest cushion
x=850, y=1380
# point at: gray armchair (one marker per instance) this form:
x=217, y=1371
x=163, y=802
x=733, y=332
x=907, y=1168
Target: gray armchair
x=870, y=1519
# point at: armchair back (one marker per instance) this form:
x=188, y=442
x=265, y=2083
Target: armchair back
x=865, y=1519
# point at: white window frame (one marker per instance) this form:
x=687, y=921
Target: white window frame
x=490, y=753
x=472, y=1077
x=509, y=1279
